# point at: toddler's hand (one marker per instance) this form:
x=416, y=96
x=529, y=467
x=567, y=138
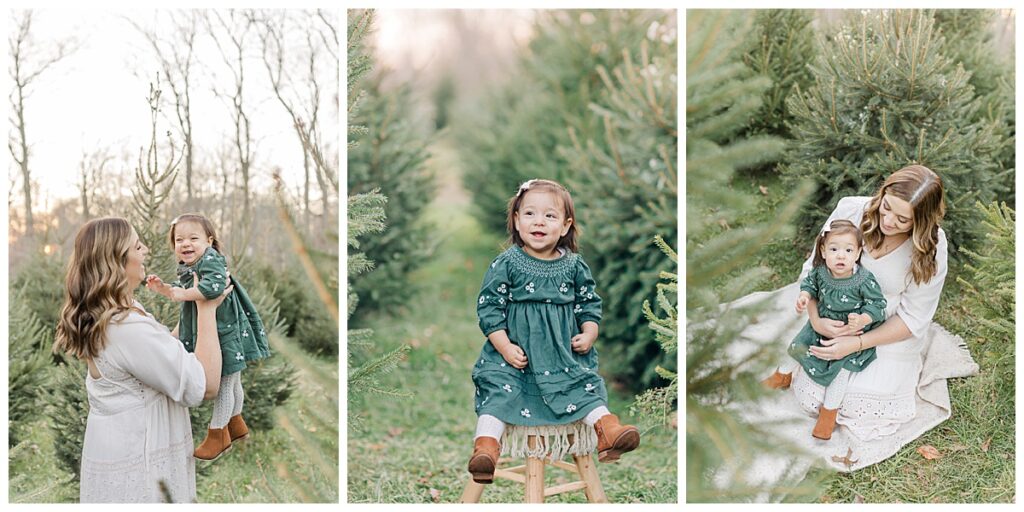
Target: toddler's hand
x=157, y=285
x=801, y=303
x=582, y=342
x=858, y=320
x=515, y=356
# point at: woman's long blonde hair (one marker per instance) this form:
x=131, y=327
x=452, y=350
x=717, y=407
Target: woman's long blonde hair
x=922, y=188
x=96, y=286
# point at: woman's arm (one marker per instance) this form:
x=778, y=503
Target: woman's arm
x=891, y=331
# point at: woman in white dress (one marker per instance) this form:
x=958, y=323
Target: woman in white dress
x=906, y=251
x=141, y=381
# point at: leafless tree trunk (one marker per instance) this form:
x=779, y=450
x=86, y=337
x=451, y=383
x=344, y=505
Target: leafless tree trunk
x=281, y=60
x=235, y=30
x=28, y=61
x=153, y=181
x=176, y=59
x=90, y=172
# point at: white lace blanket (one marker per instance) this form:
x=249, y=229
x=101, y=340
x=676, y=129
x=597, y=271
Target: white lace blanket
x=945, y=356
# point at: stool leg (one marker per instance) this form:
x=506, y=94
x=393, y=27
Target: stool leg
x=588, y=472
x=472, y=492
x=534, y=476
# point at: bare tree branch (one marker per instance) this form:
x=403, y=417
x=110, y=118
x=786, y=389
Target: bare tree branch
x=28, y=60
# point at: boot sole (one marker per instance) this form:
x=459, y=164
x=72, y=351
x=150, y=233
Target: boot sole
x=219, y=455
x=823, y=438
x=240, y=438
x=626, y=442
x=481, y=473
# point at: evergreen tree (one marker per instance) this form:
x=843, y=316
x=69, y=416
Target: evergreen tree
x=989, y=277
x=779, y=47
x=657, y=404
x=721, y=96
x=28, y=348
x=391, y=157
x=625, y=188
x=67, y=406
x=365, y=216
x=523, y=124
x=888, y=94
x=968, y=33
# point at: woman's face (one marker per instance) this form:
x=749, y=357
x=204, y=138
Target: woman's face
x=895, y=216
x=136, y=268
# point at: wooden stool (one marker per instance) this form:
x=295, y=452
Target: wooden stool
x=531, y=475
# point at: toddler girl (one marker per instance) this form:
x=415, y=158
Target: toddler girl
x=846, y=292
x=540, y=311
x=239, y=327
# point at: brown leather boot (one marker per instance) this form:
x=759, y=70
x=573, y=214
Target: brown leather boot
x=217, y=443
x=614, y=439
x=778, y=380
x=826, y=423
x=484, y=458
x=237, y=428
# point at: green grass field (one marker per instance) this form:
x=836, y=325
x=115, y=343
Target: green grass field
x=977, y=443
x=415, y=449
x=297, y=461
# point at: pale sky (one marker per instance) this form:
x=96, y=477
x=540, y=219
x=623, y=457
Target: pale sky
x=96, y=97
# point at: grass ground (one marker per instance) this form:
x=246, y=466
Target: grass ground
x=977, y=443
x=297, y=461
x=415, y=450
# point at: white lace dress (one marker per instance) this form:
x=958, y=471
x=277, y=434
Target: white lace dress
x=898, y=397
x=881, y=397
x=138, y=432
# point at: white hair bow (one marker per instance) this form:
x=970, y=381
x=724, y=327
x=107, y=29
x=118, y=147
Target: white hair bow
x=525, y=186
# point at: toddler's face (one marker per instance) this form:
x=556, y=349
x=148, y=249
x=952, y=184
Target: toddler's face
x=190, y=241
x=541, y=222
x=841, y=252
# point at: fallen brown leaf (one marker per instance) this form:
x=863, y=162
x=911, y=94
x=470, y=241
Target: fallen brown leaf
x=986, y=444
x=723, y=223
x=929, y=452
x=763, y=189
x=435, y=495
x=395, y=431
x=857, y=498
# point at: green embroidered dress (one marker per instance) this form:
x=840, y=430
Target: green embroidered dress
x=239, y=327
x=541, y=304
x=837, y=298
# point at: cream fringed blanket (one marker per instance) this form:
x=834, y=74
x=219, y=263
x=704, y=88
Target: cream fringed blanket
x=870, y=434
x=553, y=440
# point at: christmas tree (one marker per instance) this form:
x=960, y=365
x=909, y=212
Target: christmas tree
x=779, y=47
x=887, y=93
x=365, y=216
x=989, y=276
x=523, y=124
x=390, y=157
x=969, y=34
x=28, y=349
x=625, y=189
x=722, y=94
x=658, y=405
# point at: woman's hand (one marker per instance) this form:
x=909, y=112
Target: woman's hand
x=514, y=355
x=834, y=328
x=582, y=342
x=836, y=348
